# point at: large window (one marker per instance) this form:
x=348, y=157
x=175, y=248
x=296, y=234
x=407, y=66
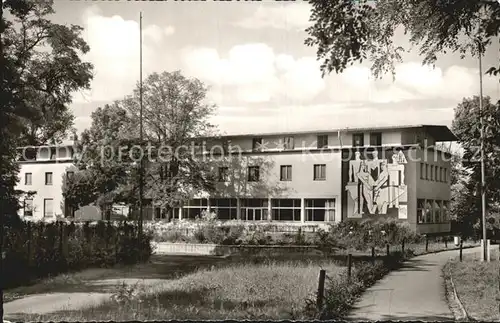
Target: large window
x=226, y=209
x=422, y=171
x=28, y=177
x=375, y=139
x=322, y=141
x=48, y=178
x=48, y=208
x=444, y=211
x=253, y=173
x=436, y=174
x=420, y=211
x=427, y=171
x=286, y=173
x=254, y=209
x=428, y=211
x=431, y=176
x=28, y=207
x=445, y=175
x=257, y=144
x=319, y=172
x=436, y=210
x=286, y=209
x=288, y=143
x=358, y=139
x=320, y=209
x=194, y=208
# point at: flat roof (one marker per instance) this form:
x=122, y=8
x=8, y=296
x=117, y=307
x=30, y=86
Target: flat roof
x=438, y=132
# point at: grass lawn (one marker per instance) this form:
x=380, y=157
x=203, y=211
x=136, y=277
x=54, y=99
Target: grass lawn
x=477, y=285
x=159, y=267
x=269, y=290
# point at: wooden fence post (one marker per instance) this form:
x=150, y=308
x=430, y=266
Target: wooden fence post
x=461, y=245
x=426, y=243
x=373, y=254
x=387, y=249
x=321, y=289
x=349, y=266
x=446, y=242
x=403, y=247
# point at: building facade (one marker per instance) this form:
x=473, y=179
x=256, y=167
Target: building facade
x=315, y=177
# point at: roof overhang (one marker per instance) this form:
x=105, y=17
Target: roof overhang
x=440, y=133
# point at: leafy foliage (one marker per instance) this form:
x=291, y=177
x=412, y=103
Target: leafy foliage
x=345, y=31
x=174, y=114
x=40, y=70
x=467, y=198
x=46, y=69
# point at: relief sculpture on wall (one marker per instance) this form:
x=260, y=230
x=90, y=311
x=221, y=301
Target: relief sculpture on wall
x=375, y=186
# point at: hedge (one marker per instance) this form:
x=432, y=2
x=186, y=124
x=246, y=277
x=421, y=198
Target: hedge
x=35, y=250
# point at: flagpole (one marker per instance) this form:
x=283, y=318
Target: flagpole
x=141, y=184
x=483, y=182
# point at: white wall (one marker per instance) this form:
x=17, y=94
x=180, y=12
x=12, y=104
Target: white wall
x=43, y=191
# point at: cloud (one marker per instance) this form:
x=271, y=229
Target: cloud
x=114, y=51
x=285, y=16
x=255, y=72
x=412, y=82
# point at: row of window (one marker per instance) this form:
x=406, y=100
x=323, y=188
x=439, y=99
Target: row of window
x=358, y=140
x=258, y=209
x=432, y=211
x=48, y=207
x=319, y=173
x=433, y=173
x=28, y=178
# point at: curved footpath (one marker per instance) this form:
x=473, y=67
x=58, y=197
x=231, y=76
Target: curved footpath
x=414, y=292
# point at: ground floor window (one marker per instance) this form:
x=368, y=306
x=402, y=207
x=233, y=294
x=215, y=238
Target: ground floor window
x=194, y=208
x=48, y=208
x=420, y=211
x=254, y=209
x=320, y=209
x=226, y=209
x=28, y=207
x=286, y=209
x=432, y=211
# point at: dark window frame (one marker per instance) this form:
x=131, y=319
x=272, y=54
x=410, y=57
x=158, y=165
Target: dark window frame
x=322, y=141
x=361, y=136
x=257, y=144
x=30, y=178
x=375, y=139
x=288, y=172
x=47, y=182
x=253, y=174
x=317, y=175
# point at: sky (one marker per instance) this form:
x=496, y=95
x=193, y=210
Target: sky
x=261, y=75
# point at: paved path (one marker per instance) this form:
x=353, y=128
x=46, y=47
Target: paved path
x=54, y=302
x=414, y=292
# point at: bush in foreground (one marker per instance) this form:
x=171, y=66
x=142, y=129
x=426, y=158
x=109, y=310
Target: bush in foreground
x=37, y=249
x=342, y=293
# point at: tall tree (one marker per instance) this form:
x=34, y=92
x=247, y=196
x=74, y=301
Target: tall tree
x=467, y=201
x=101, y=171
x=47, y=69
x=346, y=31
x=175, y=115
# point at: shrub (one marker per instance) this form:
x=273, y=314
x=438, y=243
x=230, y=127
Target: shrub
x=37, y=249
x=342, y=292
